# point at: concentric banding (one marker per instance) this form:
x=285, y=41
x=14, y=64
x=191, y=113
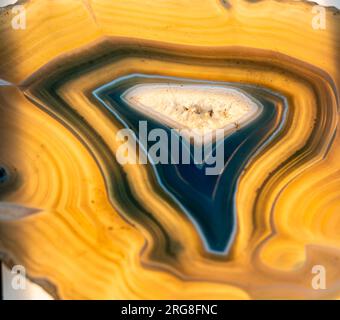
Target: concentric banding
x=105, y=231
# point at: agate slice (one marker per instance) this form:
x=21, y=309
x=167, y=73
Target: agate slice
x=86, y=226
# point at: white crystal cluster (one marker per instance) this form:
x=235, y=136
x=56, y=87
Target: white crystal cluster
x=201, y=108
